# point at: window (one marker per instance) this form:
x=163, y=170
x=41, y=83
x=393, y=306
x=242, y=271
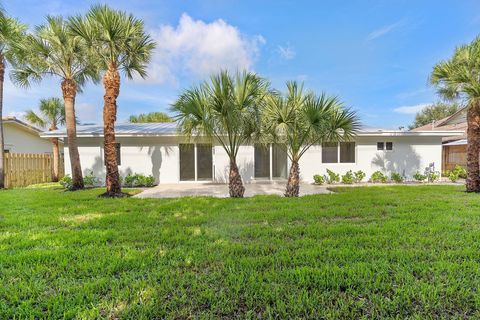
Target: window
x=119, y=159
x=196, y=163
x=347, y=152
x=6, y=151
x=389, y=146
x=329, y=152
x=380, y=145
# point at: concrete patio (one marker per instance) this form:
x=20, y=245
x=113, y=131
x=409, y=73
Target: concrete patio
x=221, y=190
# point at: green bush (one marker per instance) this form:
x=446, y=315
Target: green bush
x=396, y=177
x=432, y=176
x=318, y=179
x=359, y=176
x=378, y=176
x=453, y=176
x=419, y=177
x=460, y=172
x=138, y=180
x=348, y=177
x=332, y=177
x=66, y=182
x=90, y=180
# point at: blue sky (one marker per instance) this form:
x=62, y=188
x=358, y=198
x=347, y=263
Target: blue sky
x=375, y=55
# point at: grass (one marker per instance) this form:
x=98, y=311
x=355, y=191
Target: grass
x=372, y=252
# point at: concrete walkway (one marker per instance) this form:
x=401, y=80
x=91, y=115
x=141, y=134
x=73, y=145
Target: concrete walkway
x=221, y=190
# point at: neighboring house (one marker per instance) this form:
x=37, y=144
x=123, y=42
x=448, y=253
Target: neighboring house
x=21, y=137
x=157, y=149
x=454, y=147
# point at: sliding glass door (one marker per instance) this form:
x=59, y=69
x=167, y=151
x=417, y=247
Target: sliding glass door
x=196, y=162
x=270, y=162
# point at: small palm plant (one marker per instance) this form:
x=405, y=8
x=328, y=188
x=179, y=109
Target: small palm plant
x=227, y=110
x=11, y=32
x=119, y=43
x=299, y=120
x=459, y=77
x=53, y=51
x=51, y=115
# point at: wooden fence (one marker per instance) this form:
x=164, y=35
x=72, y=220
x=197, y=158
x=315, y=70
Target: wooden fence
x=23, y=169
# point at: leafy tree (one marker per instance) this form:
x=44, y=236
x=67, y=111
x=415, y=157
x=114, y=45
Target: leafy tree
x=52, y=114
x=53, y=51
x=119, y=42
x=150, y=117
x=225, y=109
x=459, y=78
x=11, y=32
x=434, y=112
x=298, y=120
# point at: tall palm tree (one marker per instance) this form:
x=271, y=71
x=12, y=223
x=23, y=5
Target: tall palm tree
x=299, y=120
x=52, y=114
x=119, y=43
x=11, y=32
x=53, y=51
x=226, y=109
x=459, y=77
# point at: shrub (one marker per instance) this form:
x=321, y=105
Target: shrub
x=348, y=177
x=139, y=180
x=396, y=177
x=432, y=176
x=332, y=177
x=460, y=172
x=453, y=176
x=318, y=179
x=378, y=176
x=90, y=180
x=359, y=176
x=66, y=182
x=419, y=177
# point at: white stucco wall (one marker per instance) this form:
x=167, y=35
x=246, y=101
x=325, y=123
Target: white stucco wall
x=21, y=140
x=159, y=156
x=409, y=155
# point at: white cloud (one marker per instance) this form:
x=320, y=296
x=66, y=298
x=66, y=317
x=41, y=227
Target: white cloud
x=196, y=48
x=411, y=109
x=384, y=30
x=287, y=52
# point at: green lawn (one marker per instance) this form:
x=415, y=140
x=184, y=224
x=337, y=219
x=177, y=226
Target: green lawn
x=363, y=252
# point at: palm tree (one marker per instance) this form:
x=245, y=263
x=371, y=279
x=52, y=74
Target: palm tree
x=119, y=43
x=52, y=114
x=226, y=109
x=459, y=77
x=11, y=32
x=299, y=120
x=53, y=51
x=150, y=117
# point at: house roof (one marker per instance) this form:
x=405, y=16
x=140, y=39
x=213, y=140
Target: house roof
x=170, y=129
x=22, y=124
x=454, y=122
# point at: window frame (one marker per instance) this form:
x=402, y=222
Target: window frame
x=195, y=162
x=382, y=143
x=386, y=145
x=339, y=153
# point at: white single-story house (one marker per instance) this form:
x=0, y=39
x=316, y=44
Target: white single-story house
x=157, y=149
x=21, y=137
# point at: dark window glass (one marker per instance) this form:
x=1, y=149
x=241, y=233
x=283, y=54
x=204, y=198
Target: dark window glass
x=329, y=152
x=279, y=162
x=380, y=146
x=6, y=151
x=347, y=152
x=187, y=162
x=262, y=161
x=204, y=161
x=389, y=145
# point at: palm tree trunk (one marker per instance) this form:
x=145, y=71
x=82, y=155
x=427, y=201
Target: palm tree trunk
x=473, y=139
x=69, y=90
x=235, y=184
x=293, y=184
x=56, y=160
x=111, y=82
x=2, y=143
